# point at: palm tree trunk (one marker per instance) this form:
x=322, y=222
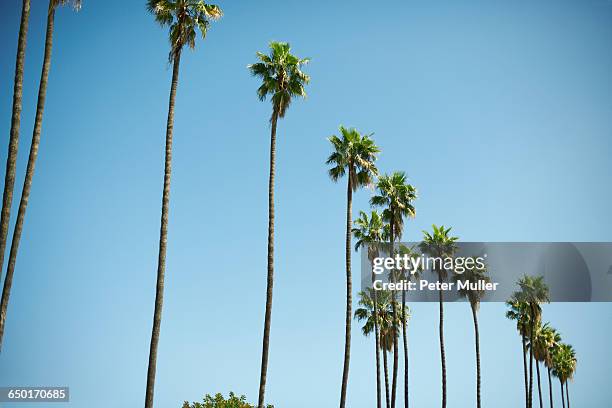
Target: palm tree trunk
x=270, y=278
x=539, y=385
x=562, y=395
x=531, y=366
x=524, y=341
x=388, y=401
x=376, y=333
x=163, y=238
x=550, y=387
x=405, y=339
x=394, y=317
x=11, y=159
x=27, y=184
x=567, y=394
x=442, y=353
x=477, y=341
x=349, y=290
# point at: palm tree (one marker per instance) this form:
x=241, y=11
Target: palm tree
x=519, y=311
x=534, y=292
x=282, y=80
x=11, y=159
x=406, y=274
x=564, y=365
x=185, y=18
x=440, y=245
x=395, y=196
x=370, y=231
x=354, y=156
x=10, y=176
x=474, y=274
x=545, y=339
x=388, y=324
x=552, y=339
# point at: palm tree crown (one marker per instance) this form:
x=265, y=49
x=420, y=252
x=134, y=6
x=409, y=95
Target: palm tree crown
x=353, y=153
x=439, y=244
x=183, y=16
x=564, y=362
x=473, y=274
x=282, y=77
x=396, y=196
x=371, y=232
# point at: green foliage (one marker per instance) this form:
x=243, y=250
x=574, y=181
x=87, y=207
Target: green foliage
x=353, y=153
x=439, y=244
x=184, y=17
x=281, y=75
x=218, y=401
x=395, y=196
x=387, y=325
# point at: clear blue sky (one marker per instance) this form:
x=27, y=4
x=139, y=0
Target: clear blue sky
x=499, y=112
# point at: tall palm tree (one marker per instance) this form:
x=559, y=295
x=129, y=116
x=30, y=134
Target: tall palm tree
x=387, y=322
x=552, y=339
x=564, y=365
x=474, y=274
x=519, y=311
x=395, y=196
x=354, y=156
x=545, y=339
x=440, y=244
x=11, y=158
x=370, y=232
x=406, y=274
x=10, y=176
x=534, y=292
x=184, y=18
x=282, y=80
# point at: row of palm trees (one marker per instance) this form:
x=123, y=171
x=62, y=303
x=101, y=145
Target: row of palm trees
x=13, y=146
x=540, y=342
x=353, y=156
x=282, y=81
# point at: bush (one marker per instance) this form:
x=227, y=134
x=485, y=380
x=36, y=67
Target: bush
x=219, y=402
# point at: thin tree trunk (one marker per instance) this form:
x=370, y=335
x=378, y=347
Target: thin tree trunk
x=477, y=341
x=388, y=401
x=562, y=395
x=405, y=340
x=550, y=387
x=524, y=341
x=349, y=290
x=394, y=317
x=442, y=353
x=539, y=385
x=11, y=159
x=270, y=278
x=531, y=365
x=376, y=333
x=27, y=184
x=567, y=394
x=163, y=237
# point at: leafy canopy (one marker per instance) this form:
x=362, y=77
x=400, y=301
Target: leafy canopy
x=395, y=196
x=183, y=16
x=353, y=153
x=370, y=231
x=281, y=75
x=76, y=4
x=218, y=401
x=564, y=362
x=388, y=325
x=473, y=274
x=439, y=243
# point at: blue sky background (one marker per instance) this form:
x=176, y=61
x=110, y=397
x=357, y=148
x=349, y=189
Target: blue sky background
x=498, y=111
